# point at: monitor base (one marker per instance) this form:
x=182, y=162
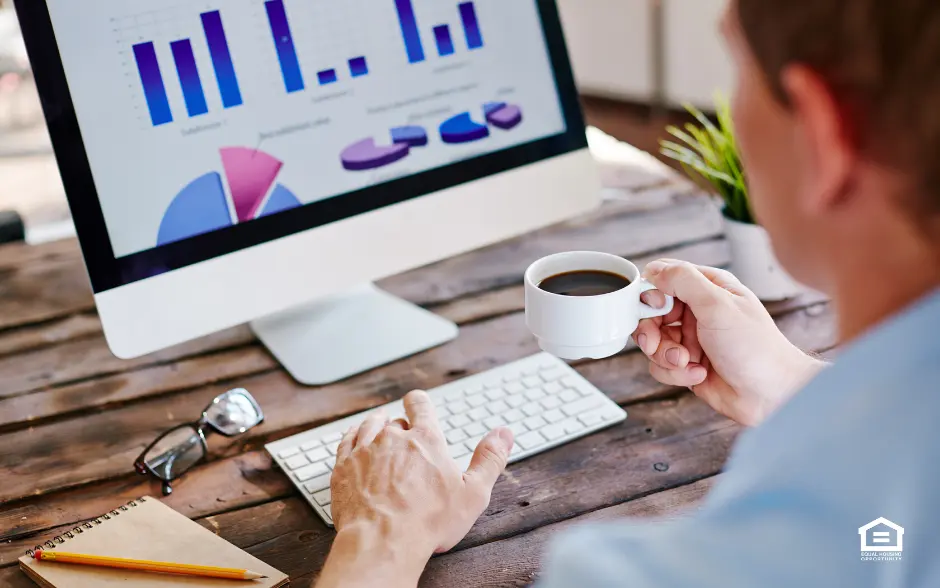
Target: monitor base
x=330, y=340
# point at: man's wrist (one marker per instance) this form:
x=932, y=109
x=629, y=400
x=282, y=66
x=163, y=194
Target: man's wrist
x=364, y=554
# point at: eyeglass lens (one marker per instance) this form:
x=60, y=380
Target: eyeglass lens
x=233, y=412
x=175, y=452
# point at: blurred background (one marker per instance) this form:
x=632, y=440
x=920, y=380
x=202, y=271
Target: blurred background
x=636, y=61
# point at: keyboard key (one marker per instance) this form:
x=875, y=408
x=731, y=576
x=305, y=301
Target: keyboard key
x=464, y=462
x=552, y=388
x=495, y=393
x=329, y=511
x=330, y=463
x=476, y=400
x=532, y=371
x=460, y=421
x=332, y=447
x=445, y=426
x=553, y=432
x=478, y=414
x=516, y=401
x=494, y=422
x=530, y=440
x=311, y=471
x=497, y=407
x=473, y=388
x=332, y=438
x=554, y=373
x=458, y=407
x=455, y=436
x=458, y=450
x=532, y=382
x=583, y=405
x=452, y=395
x=491, y=384
x=442, y=411
x=572, y=426
x=289, y=452
x=318, y=454
x=518, y=429
x=513, y=415
x=532, y=409
x=474, y=429
x=516, y=450
x=606, y=413
x=472, y=442
x=551, y=402
x=438, y=400
x=569, y=395
x=318, y=483
x=535, y=422
x=296, y=462
x=514, y=388
x=311, y=445
x=512, y=377
x=590, y=418
x=572, y=382
x=586, y=391
x=553, y=416
x=322, y=498
x=536, y=394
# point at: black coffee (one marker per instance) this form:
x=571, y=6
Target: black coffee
x=584, y=283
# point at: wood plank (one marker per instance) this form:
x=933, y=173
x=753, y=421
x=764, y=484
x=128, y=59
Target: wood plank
x=80, y=360
x=41, y=285
x=79, y=326
x=516, y=561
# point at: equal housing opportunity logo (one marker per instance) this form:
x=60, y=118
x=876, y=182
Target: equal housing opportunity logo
x=881, y=540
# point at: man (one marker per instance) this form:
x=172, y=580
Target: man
x=838, y=114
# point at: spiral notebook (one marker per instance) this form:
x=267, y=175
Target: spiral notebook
x=145, y=529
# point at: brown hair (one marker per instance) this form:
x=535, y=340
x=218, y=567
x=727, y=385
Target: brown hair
x=882, y=60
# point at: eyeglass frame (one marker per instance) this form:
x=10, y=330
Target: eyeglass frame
x=201, y=426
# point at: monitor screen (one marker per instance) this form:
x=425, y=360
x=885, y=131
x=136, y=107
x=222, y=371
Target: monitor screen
x=211, y=126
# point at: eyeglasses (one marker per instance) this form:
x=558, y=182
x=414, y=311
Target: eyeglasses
x=178, y=450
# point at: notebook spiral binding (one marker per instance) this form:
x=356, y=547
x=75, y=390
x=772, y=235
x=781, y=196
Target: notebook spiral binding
x=60, y=539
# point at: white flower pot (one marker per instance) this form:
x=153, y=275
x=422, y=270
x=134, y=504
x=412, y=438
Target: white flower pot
x=754, y=263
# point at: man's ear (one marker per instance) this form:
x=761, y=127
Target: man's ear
x=823, y=135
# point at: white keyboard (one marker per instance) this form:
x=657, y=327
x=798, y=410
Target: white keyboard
x=542, y=399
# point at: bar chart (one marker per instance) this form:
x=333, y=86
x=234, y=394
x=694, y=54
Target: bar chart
x=411, y=34
x=194, y=94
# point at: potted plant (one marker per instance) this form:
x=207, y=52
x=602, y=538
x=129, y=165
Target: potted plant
x=708, y=153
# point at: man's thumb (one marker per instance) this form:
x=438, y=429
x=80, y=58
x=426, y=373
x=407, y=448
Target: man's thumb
x=489, y=460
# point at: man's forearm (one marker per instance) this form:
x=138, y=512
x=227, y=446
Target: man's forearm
x=363, y=558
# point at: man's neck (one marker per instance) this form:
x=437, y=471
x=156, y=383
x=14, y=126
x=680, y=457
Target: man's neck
x=872, y=288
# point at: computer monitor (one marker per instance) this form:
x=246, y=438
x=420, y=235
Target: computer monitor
x=264, y=162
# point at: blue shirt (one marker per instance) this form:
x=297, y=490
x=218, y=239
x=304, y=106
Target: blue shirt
x=859, y=443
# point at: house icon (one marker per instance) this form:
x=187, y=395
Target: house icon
x=882, y=535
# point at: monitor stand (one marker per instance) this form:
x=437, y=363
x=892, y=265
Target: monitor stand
x=338, y=337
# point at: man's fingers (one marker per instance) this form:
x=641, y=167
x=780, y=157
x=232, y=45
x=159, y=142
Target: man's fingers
x=687, y=283
x=370, y=428
x=690, y=340
x=657, y=299
x=488, y=461
x=346, y=445
x=420, y=411
x=399, y=424
x=692, y=375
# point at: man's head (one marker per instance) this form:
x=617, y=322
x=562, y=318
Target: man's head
x=838, y=114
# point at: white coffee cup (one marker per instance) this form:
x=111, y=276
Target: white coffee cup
x=592, y=327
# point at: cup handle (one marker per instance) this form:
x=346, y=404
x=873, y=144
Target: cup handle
x=647, y=311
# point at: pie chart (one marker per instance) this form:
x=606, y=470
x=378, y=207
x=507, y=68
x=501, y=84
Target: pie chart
x=204, y=206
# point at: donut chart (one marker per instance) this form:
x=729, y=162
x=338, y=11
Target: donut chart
x=204, y=206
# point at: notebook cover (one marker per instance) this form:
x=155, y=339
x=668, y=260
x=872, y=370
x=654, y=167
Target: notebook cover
x=151, y=531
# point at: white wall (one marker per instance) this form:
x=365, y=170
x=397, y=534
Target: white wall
x=697, y=63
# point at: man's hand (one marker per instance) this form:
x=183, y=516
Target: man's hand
x=398, y=497
x=721, y=342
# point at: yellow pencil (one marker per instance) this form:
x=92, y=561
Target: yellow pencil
x=147, y=566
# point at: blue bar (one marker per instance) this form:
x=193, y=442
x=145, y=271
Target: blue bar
x=445, y=45
x=284, y=41
x=221, y=59
x=358, y=67
x=189, y=77
x=327, y=76
x=152, y=80
x=409, y=31
x=470, y=25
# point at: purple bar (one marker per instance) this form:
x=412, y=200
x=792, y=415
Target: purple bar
x=358, y=67
x=445, y=45
x=470, y=25
x=221, y=59
x=188, y=72
x=284, y=41
x=152, y=80
x=327, y=76
x=409, y=30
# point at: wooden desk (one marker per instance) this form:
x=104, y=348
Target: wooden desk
x=73, y=418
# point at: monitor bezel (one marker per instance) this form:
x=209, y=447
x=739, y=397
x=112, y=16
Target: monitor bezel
x=107, y=272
